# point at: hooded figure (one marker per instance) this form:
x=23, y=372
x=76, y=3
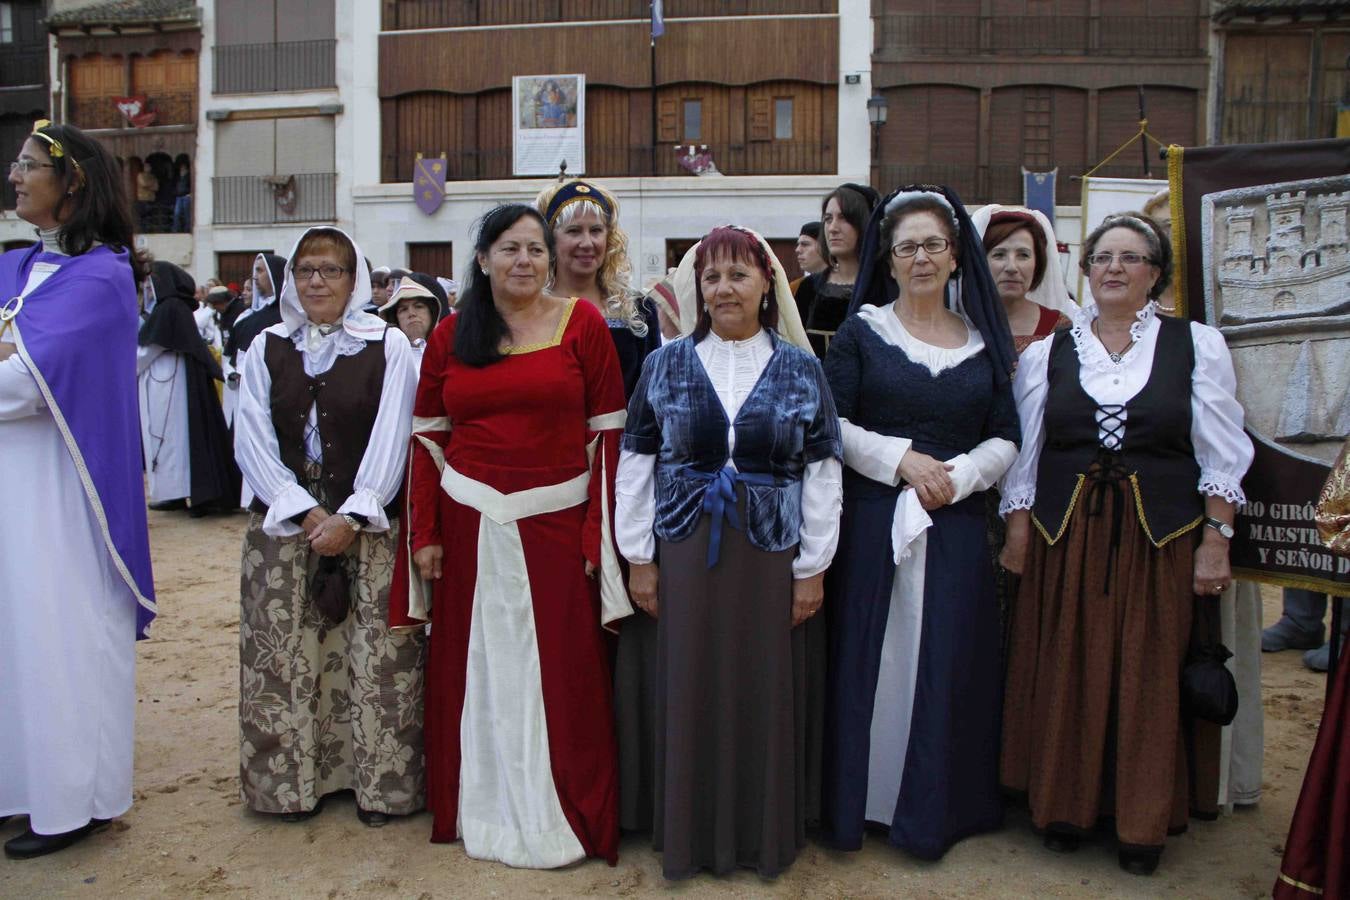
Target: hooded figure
x=263, y=312
x=321, y=434
x=184, y=438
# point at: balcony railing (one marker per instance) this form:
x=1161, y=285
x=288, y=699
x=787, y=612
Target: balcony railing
x=100, y=112
x=401, y=14
x=1041, y=35
x=23, y=65
x=250, y=200
x=284, y=66
x=746, y=158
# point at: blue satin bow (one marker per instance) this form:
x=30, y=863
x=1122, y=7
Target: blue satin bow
x=719, y=501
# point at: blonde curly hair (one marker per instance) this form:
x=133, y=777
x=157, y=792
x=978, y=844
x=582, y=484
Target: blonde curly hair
x=615, y=276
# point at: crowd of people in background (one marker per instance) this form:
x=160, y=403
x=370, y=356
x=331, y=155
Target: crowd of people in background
x=732, y=562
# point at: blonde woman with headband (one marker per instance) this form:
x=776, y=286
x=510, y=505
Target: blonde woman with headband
x=592, y=263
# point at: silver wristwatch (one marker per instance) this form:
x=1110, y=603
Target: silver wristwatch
x=352, y=523
x=1221, y=527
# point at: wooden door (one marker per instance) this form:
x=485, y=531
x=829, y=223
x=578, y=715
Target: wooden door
x=432, y=258
x=236, y=266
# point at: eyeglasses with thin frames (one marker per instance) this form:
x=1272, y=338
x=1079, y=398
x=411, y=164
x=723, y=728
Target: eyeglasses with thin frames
x=26, y=166
x=327, y=273
x=1103, y=260
x=933, y=246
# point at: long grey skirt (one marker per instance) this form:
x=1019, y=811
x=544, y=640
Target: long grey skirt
x=732, y=709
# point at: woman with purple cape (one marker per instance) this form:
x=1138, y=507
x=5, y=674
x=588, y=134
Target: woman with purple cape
x=75, y=565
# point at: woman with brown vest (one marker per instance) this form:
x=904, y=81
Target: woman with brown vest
x=330, y=698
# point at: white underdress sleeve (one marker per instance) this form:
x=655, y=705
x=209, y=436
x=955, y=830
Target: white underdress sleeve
x=1030, y=387
x=635, y=507
x=381, y=471
x=822, y=500
x=1222, y=448
x=19, y=393
x=982, y=467
x=147, y=354
x=872, y=455
x=259, y=455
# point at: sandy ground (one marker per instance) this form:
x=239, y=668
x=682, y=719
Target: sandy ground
x=187, y=834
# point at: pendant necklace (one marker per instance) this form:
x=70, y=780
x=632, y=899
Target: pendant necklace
x=1115, y=357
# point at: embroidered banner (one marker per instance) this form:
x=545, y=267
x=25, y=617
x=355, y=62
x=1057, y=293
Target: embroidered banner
x=1262, y=255
x=429, y=183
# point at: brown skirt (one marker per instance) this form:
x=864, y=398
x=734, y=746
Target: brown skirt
x=732, y=707
x=1093, y=725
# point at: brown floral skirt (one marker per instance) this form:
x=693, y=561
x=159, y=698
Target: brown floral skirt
x=325, y=709
x=1093, y=725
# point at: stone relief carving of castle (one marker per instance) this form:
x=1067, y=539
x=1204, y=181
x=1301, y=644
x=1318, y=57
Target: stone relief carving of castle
x=1277, y=284
x=1293, y=272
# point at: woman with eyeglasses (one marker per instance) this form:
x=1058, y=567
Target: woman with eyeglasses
x=921, y=374
x=75, y=586
x=330, y=698
x=1130, y=474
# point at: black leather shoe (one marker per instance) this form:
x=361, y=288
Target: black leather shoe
x=169, y=505
x=303, y=815
x=4, y=819
x=31, y=845
x=1061, y=842
x=371, y=818
x=1140, y=862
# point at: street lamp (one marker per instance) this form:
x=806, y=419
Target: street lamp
x=876, y=117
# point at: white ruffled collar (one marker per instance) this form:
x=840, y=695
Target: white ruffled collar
x=1092, y=353
x=887, y=325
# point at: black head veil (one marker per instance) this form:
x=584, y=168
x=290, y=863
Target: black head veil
x=979, y=297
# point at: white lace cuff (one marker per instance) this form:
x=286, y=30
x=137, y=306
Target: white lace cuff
x=291, y=501
x=366, y=503
x=1220, y=484
x=1017, y=498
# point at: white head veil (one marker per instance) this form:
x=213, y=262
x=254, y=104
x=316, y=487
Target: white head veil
x=1051, y=292
x=355, y=322
x=680, y=299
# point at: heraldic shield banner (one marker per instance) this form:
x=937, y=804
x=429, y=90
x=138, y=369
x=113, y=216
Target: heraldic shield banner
x=1262, y=255
x=429, y=183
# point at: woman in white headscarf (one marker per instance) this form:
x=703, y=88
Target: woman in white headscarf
x=330, y=698
x=1021, y=249
x=731, y=462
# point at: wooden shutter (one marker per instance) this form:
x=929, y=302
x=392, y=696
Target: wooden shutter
x=432, y=258
x=760, y=125
x=668, y=120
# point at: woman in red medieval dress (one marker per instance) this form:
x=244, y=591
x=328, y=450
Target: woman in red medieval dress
x=515, y=437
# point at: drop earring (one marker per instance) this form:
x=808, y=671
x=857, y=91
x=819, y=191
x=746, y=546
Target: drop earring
x=764, y=304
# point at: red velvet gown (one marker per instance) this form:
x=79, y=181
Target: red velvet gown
x=512, y=473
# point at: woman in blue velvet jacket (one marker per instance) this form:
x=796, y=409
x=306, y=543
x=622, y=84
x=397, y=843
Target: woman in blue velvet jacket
x=731, y=467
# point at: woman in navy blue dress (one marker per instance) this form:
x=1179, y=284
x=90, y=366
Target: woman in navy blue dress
x=921, y=377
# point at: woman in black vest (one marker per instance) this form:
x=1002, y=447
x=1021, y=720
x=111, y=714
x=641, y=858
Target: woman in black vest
x=1130, y=473
x=330, y=699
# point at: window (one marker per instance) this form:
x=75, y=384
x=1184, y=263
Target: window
x=274, y=170
x=693, y=120
x=782, y=119
x=6, y=23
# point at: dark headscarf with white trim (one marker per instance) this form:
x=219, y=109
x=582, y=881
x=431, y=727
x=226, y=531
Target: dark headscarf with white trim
x=971, y=285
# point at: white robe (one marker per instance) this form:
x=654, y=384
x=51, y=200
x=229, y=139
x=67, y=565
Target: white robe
x=162, y=390
x=67, y=632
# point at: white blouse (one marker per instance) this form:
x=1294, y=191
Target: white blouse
x=877, y=456
x=734, y=368
x=1222, y=448
x=381, y=471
